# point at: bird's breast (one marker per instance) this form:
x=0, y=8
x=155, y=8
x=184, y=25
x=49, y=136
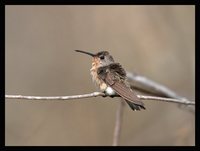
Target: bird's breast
x=98, y=82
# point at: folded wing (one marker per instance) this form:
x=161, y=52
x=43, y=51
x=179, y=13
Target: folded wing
x=114, y=76
x=125, y=92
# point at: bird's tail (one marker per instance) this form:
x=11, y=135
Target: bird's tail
x=135, y=107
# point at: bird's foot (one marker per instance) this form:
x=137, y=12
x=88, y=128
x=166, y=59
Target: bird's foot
x=105, y=94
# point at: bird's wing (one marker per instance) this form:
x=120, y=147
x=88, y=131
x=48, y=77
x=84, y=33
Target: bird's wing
x=116, y=80
x=122, y=89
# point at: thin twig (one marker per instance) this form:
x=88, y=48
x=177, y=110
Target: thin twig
x=147, y=85
x=186, y=102
x=95, y=94
x=118, y=123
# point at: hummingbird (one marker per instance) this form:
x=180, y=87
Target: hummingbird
x=111, y=78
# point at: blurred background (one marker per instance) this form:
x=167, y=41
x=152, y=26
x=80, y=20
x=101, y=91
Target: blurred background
x=155, y=41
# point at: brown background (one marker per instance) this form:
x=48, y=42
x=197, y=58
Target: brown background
x=155, y=41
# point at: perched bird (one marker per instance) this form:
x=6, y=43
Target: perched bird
x=111, y=78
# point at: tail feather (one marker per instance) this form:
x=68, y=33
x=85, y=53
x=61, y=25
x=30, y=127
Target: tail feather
x=135, y=107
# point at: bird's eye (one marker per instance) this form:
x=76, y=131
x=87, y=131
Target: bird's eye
x=101, y=57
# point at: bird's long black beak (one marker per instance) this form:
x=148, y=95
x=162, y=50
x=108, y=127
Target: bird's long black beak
x=88, y=53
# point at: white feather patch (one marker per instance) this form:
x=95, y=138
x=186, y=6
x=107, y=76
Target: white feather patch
x=110, y=91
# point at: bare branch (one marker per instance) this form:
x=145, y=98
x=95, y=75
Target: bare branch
x=186, y=102
x=147, y=85
x=95, y=94
x=118, y=123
